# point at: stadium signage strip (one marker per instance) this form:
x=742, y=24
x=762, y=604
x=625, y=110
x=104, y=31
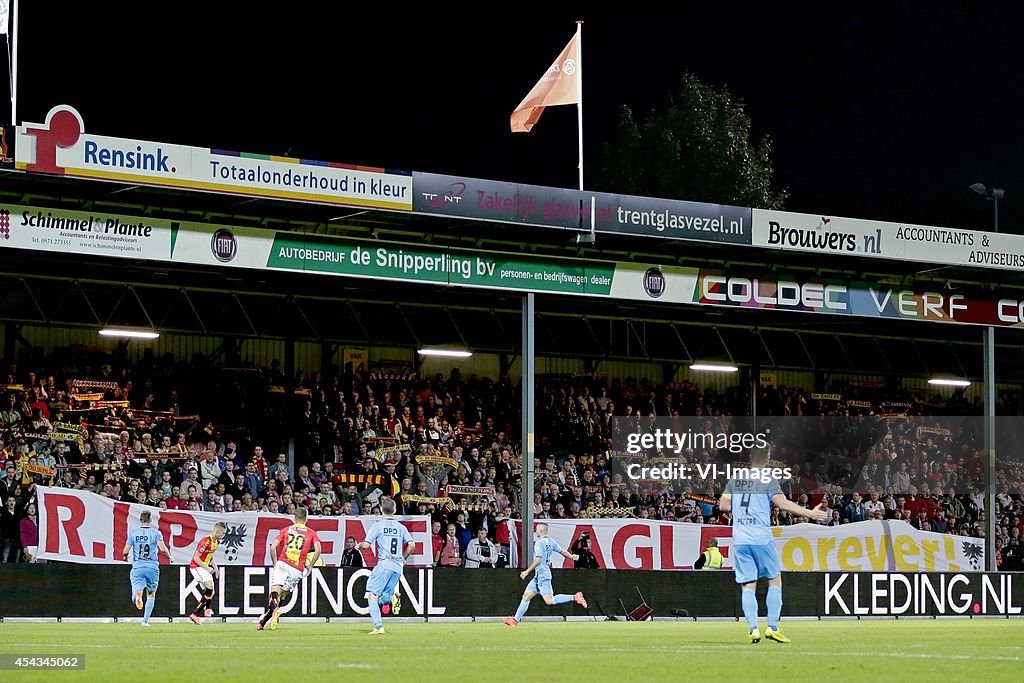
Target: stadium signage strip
x=103, y=234
x=878, y=239
x=83, y=527
x=549, y=207
x=83, y=591
x=878, y=546
x=80, y=526
x=922, y=594
x=61, y=146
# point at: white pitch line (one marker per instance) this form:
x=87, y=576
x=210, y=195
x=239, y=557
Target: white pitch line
x=761, y=650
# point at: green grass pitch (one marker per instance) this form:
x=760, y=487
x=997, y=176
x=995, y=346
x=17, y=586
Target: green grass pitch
x=985, y=650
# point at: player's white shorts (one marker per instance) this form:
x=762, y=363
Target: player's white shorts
x=203, y=576
x=285, y=576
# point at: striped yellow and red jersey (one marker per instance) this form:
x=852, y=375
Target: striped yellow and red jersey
x=206, y=548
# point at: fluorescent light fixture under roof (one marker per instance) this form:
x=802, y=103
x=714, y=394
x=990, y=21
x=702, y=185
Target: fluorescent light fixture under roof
x=949, y=382
x=124, y=332
x=713, y=367
x=447, y=353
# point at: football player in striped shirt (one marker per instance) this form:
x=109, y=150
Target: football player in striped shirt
x=204, y=570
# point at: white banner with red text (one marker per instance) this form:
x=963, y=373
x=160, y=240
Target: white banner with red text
x=80, y=526
x=862, y=546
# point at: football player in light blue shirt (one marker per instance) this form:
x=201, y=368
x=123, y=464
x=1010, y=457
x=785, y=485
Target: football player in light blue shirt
x=143, y=544
x=543, y=549
x=393, y=544
x=753, y=550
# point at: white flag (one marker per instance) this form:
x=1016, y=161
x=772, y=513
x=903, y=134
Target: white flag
x=5, y=15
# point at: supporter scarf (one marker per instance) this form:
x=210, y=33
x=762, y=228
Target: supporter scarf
x=112, y=404
x=368, y=479
x=607, y=512
x=92, y=384
x=454, y=490
x=99, y=467
x=701, y=498
x=39, y=469
x=444, y=460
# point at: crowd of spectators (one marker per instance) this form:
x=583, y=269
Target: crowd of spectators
x=198, y=438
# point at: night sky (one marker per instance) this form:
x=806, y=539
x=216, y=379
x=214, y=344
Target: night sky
x=883, y=112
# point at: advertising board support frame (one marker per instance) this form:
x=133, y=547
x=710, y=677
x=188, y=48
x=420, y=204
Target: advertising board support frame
x=528, y=375
x=990, y=446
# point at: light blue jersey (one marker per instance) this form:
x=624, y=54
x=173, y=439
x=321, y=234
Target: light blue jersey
x=544, y=548
x=751, y=510
x=389, y=538
x=143, y=542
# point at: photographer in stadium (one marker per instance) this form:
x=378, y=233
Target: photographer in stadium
x=582, y=548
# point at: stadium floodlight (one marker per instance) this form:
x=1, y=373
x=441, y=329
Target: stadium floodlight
x=130, y=333
x=949, y=382
x=713, y=367
x=993, y=195
x=447, y=353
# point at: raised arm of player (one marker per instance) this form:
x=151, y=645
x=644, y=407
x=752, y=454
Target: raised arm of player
x=818, y=514
x=725, y=502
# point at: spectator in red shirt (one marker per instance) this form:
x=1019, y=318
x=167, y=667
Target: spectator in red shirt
x=436, y=541
x=30, y=534
x=175, y=501
x=450, y=554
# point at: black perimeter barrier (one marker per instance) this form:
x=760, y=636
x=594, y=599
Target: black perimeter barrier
x=68, y=590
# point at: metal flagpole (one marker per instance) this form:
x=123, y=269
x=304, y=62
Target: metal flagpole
x=15, y=11
x=579, y=93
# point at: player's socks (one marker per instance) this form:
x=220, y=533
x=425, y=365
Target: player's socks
x=562, y=598
x=200, y=606
x=750, y=608
x=150, y=602
x=523, y=606
x=774, y=603
x=378, y=623
x=271, y=608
